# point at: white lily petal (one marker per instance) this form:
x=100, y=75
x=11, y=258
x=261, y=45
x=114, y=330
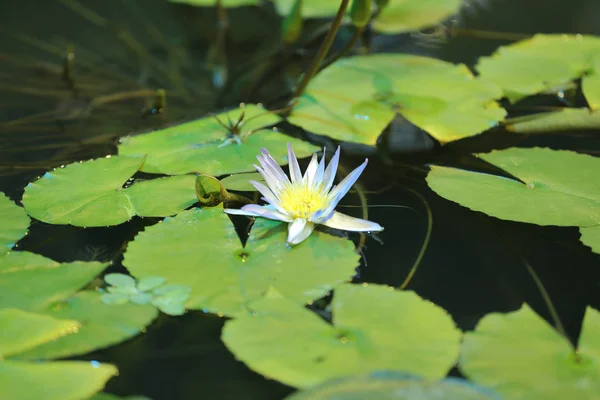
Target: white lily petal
x=269, y=164
x=299, y=230
x=295, y=172
x=254, y=210
x=318, y=180
x=309, y=174
x=347, y=223
x=342, y=188
x=330, y=171
x=271, y=180
x=268, y=196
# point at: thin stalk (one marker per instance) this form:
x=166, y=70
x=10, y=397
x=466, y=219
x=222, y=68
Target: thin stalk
x=349, y=46
x=322, y=51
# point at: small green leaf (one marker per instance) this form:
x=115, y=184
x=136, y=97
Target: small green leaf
x=141, y=298
x=168, y=306
x=501, y=343
x=120, y=280
x=209, y=191
x=175, y=293
x=14, y=224
x=399, y=16
x=150, y=282
x=22, y=330
x=374, y=328
x=199, y=248
x=126, y=291
x=115, y=298
x=31, y=282
x=102, y=326
x=393, y=385
x=591, y=237
x=64, y=380
x=555, y=188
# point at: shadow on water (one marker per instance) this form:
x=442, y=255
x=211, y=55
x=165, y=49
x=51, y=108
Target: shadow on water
x=473, y=265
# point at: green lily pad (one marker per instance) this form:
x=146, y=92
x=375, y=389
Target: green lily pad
x=213, y=3
x=102, y=326
x=502, y=344
x=591, y=237
x=565, y=120
x=557, y=187
x=22, y=330
x=32, y=282
x=538, y=64
x=443, y=99
x=310, y=8
x=590, y=84
x=409, y=15
x=92, y=194
x=15, y=223
x=64, y=380
x=200, y=248
x=374, y=327
x=198, y=146
x=241, y=182
x=393, y=385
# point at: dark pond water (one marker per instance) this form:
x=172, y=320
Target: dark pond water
x=473, y=265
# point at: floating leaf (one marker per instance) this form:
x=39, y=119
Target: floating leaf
x=374, y=328
x=539, y=64
x=23, y=330
x=102, y=326
x=120, y=280
x=241, y=182
x=31, y=282
x=115, y=298
x=495, y=353
x=64, y=380
x=565, y=120
x=150, y=282
x=198, y=146
x=591, y=237
x=557, y=187
x=200, y=248
x=393, y=385
x=91, y=194
x=310, y=8
x=410, y=15
x=451, y=105
x=14, y=224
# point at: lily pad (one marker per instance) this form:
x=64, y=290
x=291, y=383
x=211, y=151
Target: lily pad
x=538, y=64
x=32, y=282
x=23, y=330
x=401, y=16
x=15, y=223
x=199, y=146
x=495, y=353
x=241, y=182
x=591, y=237
x=565, y=120
x=200, y=248
x=64, y=380
x=102, y=326
x=394, y=385
x=310, y=8
x=92, y=194
x=441, y=98
x=555, y=188
x=374, y=327
x=213, y=3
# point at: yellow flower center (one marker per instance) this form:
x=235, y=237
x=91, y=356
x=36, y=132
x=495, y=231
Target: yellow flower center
x=301, y=200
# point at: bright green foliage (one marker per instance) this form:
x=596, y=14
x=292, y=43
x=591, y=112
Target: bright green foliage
x=64, y=380
x=310, y=8
x=31, y=282
x=565, y=120
x=204, y=146
x=200, y=248
x=374, y=328
x=14, y=224
x=400, y=16
x=22, y=330
x=539, y=64
x=393, y=385
x=240, y=182
x=442, y=98
x=523, y=358
x=591, y=237
x=557, y=187
x=213, y=3
x=102, y=325
x=92, y=194
x=169, y=299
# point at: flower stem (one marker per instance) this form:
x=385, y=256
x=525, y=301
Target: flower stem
x=322, y=52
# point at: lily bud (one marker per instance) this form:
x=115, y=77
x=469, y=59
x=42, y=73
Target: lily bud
x=291, y=29
x=361, y=12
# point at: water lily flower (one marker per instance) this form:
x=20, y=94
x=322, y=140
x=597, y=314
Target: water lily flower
x=306, y=200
